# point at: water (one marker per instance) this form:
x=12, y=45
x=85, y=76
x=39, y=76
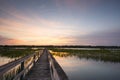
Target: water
x=5, y=60
x=82, y=48
x=89, y=69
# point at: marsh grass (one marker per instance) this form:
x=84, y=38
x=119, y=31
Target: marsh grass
x=13, y=53
x=107, y=55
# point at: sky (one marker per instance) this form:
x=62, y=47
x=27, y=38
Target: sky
x=60, y=22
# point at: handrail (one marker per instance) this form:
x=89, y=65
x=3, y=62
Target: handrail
x=11, y=65
x=57, y=72
x=22, y=72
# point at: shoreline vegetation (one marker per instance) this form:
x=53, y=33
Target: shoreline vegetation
x=16, y=52
x=110, y=53
x=106, y=55
x=103, y=53
x=57, y=46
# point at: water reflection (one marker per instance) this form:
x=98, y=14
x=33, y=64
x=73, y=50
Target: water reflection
x=90, y=66
x=5, y=60
x=8, y=54
x=105, y=57
x=83, y=69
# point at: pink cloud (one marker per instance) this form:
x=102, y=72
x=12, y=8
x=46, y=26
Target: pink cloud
x=9, y=41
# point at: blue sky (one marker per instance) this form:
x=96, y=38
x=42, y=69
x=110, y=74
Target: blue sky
x=60, y=22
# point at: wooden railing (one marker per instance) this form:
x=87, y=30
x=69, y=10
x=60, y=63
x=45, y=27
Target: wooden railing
x=57, y=72
x=5, y=68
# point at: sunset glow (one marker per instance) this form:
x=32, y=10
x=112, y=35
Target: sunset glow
x=59, y=22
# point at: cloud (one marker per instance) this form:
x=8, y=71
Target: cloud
x=110, y=37
x=27, y=31
x=32, y=27
x=77, y=4
x=9, y=41
x=37, y=30
x=3, y=38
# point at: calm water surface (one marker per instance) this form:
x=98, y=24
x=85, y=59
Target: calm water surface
x=88, y=69
x=5, y=60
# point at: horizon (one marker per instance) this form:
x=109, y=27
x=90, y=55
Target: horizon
x=61, y=46
x=60, y=22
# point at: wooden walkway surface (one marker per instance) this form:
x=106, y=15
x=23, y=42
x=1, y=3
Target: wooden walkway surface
x=41, y=70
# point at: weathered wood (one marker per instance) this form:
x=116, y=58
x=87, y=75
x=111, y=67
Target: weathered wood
x=41, y=70
x=45, y=68
x=57, y=72
x=18, y=76
x=34, y=57
x=22, y=68
x=11, y=65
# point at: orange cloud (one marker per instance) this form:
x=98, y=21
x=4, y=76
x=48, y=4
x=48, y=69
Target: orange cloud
x=9, y=41
x=14, y=42
x=35, y=30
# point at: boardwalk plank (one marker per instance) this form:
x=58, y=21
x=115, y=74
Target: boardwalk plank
x=41, y=70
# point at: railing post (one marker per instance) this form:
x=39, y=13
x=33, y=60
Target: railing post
x=34, y=59
x=39, y=54
x=22, y=68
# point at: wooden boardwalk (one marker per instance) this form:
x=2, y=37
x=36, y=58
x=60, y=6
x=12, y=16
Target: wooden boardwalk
x=41, y=69
x=45, y=67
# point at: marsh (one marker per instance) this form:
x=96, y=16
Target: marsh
x=89, y=64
